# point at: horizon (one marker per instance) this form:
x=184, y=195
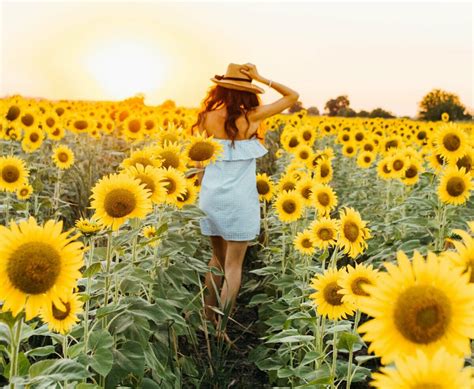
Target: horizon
x=386, y=55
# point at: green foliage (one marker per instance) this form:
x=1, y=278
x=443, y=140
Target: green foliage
x=438, y=101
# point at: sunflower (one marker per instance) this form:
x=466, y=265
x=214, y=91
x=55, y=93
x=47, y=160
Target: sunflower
x=150, y=176
x=175, y=184
x=133, y=127
x=412, y=173
x=32, y=140
x=349, y=149
x=437, y=162
x=143, y=157
x=455, y=186
x=323, y=198
x=303, y=152
x=384, y=170
x=323, y=173
x=324, y=232
x=264, y=187
x=353, y=281
x=290, y=141
x=61, y=319
x=303, y=242
x=24, y=192
x=463, y=257
x=365, y=159
x=13, y=173
x=445, y=117
x=352, y=232
x=289, y=206
x=38, y=264
x=418, y=305
x=189, y=196
x=451, y=142
x=63, y=157
x=119, y=197
x=467, y=161
x=327, y=298
x=286, y=183
x=88, y=226
x=398, y=165
x=308, y=135
x=171, y=156
x=304, y=188
x=203, y=149
x=440, y=370
x=150, y=232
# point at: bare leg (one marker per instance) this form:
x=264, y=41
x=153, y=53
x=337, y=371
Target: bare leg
x=234, y=260
x=219, y=247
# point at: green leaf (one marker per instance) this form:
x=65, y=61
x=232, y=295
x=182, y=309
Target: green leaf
x=40, y=351
x=92, y=269
x=101, y=344
x=347, y=340
x=130, y=358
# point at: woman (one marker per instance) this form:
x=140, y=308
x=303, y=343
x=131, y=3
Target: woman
x=232, y=115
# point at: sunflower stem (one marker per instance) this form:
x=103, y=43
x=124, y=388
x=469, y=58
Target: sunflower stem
x=7, y=207
x=90, y=259
x=57, y=189
x=334, y=360
x=107, y=273
x=441, y=219
x=15, y=348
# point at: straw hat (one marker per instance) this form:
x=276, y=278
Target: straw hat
x=235, y=79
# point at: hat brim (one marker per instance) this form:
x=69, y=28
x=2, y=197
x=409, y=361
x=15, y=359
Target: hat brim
x=238, y=85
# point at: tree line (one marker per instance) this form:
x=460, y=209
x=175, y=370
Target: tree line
x=431, y=107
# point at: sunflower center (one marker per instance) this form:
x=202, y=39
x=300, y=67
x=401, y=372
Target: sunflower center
x=350, y=150
x=351, y=231
x=10, y=173
x=455, y=186
x=34, y=267
x=323, y=199
x=13, y=113
x=359, y=136
x=27, y=119
x=201, y=151
x=34, y=137
x=307, y=135
x=427, y=385
x=411, y=172
x=263, y=187
x=325, y=234
x=465, y=162
x=306, y=243
x=169, y=159
x=50, y=122
x=330, y=293
x=134, y=126
x=293, y=142
x=304, y=155
x=170, y=185
x=357, y=286
x=56, y=132
x=385, y=168
x=183, y=197
x=144, y=161
x=324, y=170
x=63, y=157
x=288, y=186
x=289, y=206
x=61, y=315
x=23, y=192
x=422, y=313
x=306, y=193
x=345, y=138
x=148, y=181
x=398, y=165
x=470, y=269
x=366, y=159
x=80, y=124
x=451, y=142
x=119, y=202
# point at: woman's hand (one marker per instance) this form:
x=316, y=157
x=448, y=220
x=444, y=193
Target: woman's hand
x=250, y=70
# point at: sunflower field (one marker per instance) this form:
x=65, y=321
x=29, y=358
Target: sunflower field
x=362, y=276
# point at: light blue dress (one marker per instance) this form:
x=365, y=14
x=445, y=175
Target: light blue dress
x=229, y=194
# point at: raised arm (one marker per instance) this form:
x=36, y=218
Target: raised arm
x=262, y=112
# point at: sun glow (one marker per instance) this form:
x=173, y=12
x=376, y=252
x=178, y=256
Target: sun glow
x=125, y=68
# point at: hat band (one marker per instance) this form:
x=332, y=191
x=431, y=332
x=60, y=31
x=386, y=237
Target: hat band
x=232, y=78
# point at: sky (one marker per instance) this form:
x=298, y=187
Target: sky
x=384, y=54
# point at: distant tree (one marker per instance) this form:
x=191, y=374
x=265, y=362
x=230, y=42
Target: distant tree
x=313, y=111
x=363, y=114
x=334, y=105
x=438, y=101
x=296, y=107
x=346, y=112
x=380, y=113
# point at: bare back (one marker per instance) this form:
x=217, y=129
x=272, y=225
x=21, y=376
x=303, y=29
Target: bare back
x=214, y=122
